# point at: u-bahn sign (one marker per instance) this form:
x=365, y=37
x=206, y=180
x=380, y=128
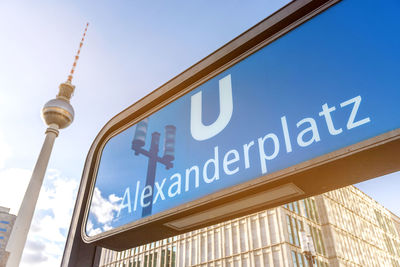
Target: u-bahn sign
x=291, y=108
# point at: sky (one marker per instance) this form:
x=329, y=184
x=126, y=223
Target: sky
x=132, y=47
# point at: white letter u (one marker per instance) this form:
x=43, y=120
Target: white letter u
x=200, y=131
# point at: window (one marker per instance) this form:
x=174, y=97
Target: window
x=294, y=258
x=314, y=208
x=307, y=214
x=380, y=220
x=389, y=245
x=309, y=209
x=136, y=263
x=296, y=231
x=317, y=239
x=395, y=263
x=296, y=207
x=290, y=229
x=301, y=260
x=294, y=226
x=397, y=246
x=291, y=207
x=298, y=259
x=168, y=257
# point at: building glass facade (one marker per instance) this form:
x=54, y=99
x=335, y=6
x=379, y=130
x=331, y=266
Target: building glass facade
x=348, y=228
x=6, y=223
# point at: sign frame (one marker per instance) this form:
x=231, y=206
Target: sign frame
x=347, y=165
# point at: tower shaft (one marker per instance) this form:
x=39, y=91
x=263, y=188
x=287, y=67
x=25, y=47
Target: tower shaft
x=58, y=114
x=23, y=221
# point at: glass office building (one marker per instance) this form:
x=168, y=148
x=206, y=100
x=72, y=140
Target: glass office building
x=6, y=223
x=348, y=228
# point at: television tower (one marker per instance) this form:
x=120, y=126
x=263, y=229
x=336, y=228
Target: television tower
x=57, y=114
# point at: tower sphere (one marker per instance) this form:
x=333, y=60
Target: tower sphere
x=58, y=111
x=57, y=114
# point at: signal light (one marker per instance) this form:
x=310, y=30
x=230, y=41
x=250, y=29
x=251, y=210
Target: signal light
x=139, y=139
x=169, y=143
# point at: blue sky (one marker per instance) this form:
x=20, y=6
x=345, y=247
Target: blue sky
x=132, y=48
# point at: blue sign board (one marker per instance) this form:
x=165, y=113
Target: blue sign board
x=328, y=84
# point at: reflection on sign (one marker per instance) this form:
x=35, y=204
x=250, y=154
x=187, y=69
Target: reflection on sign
x=315, y=90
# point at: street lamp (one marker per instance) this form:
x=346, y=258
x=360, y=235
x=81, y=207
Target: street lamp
x=307, y=247
x=138, y=143
x=57, y=114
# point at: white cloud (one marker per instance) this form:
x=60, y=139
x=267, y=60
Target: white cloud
x=58, y=195
x=14, y=181
x=51, y=222
x=5, y=151
x=102, y=208
x=114, y=198
x=92, y=231
x=103, y=211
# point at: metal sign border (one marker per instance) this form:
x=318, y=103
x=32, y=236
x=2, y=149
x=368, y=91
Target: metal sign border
x=107, y=136
x=281, y=22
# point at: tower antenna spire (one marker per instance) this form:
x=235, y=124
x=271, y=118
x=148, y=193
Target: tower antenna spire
x=58, y=114
x=71, y=73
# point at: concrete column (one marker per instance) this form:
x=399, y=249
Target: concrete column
x=23, y=221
